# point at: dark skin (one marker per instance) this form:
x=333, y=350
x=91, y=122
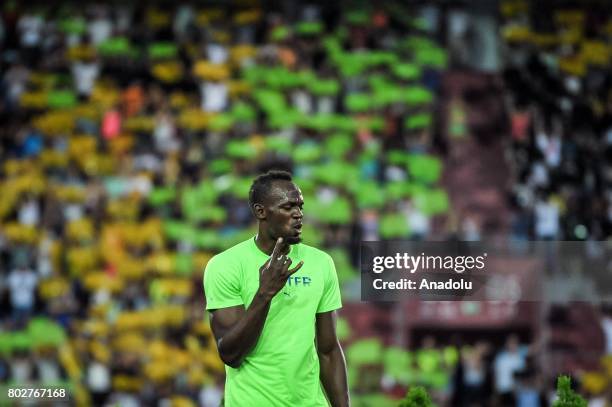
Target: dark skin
x=237, y=329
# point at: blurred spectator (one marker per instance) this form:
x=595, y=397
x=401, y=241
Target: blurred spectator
x=22, y=283
x=98, y=381
x=214, y=96
x=546, y=218
x=528, y=393
x=211, y=396
x=30, y=26
x=100, y=28
x=85, y=74
x=47, y=366
x=606, y=325
x=15, y=80
x=22, y=370
x=472, y=376
x=29, y=212
x=510, y=360
x=166, y=140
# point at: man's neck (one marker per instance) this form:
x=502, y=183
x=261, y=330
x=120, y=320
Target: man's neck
x=267, y=245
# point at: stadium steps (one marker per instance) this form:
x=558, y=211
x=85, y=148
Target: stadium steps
x=476, y=173
x=576, y=341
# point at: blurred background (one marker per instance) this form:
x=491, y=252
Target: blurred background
x=130, y=133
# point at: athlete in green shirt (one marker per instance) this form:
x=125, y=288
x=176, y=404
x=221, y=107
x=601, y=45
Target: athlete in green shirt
x=275, y=325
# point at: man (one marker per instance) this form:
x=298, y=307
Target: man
x=275, y=325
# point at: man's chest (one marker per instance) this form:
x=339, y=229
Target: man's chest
x=302, y=289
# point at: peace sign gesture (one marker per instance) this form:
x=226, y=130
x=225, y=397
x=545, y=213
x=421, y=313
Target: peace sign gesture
x=274, y=272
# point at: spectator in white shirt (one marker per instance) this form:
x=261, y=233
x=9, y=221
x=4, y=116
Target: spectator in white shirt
x=29, y=212
x=84, y=75
x=100, y=28
x=214, y=96
x=546, y=219
x=22, y=283
x=15, y=79
x=550, y=145
x=30, y=28
x=510, y=360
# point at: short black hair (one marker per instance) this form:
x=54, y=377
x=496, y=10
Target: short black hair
x=261, y=186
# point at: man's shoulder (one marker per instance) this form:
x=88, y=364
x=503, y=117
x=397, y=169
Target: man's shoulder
x=233, y=254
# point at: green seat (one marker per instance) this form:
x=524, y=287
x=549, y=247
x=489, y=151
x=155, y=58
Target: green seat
x=337, y=145
x=450, y=355
x=220, y=166
x=434, y=56
x=358, y=17
x=279, y=144
x=162, y=50
x=424, y=168
x=183, y=263
x=116, y=46
x=74, y=25
x=358, y=102
x=222, y=122
x=243, y=112
x=335, y=212
x=324, y=87
x=418, y=121
x=319, y=122
x=401, y=189
x=406, y=71
x=397, y=157
x=398, y=364
x=337, y=173
x=43, y=331
x=306, y=152
x=309, y=28
x=365, y=351
x=428, y=360
x=312, y=235
x=344, y=269
x=240, y=149
x=371, y=400
x=370, y=195
x=162, y=195
x=364, y=359
x=432, y=202
x=207, y=239
x=279, y=120
x=61, y=99
x=394, y=226
x=280, y=33
x=177, y=231
x=417, y=95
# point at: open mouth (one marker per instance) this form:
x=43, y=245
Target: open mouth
x=298, y=227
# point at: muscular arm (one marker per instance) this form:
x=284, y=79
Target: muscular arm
x=331, y=360
x=237, y=330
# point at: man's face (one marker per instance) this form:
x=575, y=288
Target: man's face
x=284, y=212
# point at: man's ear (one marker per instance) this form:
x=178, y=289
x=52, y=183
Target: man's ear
x=260, y=211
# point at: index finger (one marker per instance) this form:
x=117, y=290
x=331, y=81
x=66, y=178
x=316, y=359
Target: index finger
x=296, y=268
x=276, y=249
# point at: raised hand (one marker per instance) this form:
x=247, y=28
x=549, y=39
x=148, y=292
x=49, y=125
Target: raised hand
x=274, y=272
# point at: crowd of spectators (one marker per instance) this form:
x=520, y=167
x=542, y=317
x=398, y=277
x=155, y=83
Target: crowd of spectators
x=559, y=101
x=558, y=80
x=131, y=133
x=130, y=136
